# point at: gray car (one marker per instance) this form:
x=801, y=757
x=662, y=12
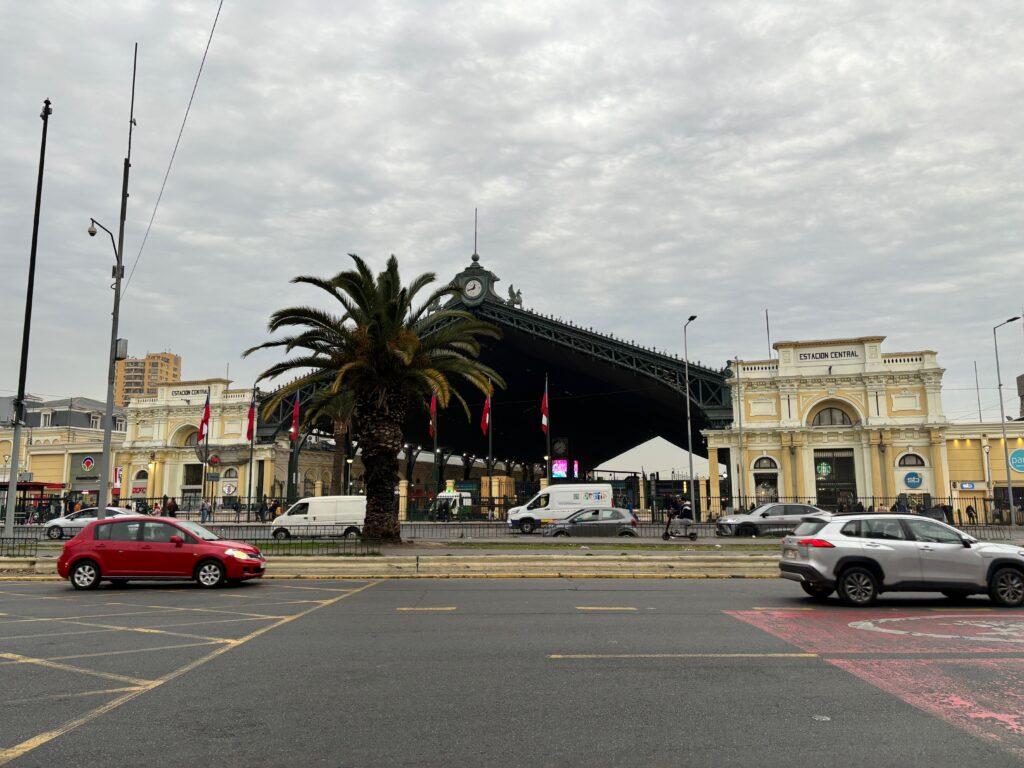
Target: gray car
x=861, y=556
x=773, y=519
x=70, y=524
x=595, y=522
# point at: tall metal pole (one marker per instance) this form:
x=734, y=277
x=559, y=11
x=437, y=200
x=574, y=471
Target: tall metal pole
x=689, y=424
x=105, y=459
x=977, y=390
x=548, y=433
x=252, y=451
x=19, y=402
x=740, y=469
x=1002, y=419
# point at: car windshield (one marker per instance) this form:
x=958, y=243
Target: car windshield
x=197, y=530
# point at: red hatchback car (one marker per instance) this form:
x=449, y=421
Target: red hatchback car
x=155, y=548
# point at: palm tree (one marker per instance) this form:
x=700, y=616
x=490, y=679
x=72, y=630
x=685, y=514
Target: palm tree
x=388, y=352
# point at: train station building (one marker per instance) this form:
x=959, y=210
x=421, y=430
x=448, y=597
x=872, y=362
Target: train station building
x=843, y=421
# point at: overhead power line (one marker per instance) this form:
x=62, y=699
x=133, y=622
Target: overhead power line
x=174, y=152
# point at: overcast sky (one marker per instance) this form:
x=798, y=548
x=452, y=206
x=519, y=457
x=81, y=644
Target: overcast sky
x=854, y=167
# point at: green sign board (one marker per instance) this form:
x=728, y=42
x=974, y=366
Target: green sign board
x=824, y=469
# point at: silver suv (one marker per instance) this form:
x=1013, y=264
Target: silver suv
x=861, y=556
x=766, y=520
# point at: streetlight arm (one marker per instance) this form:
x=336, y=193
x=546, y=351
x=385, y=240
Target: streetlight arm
x=112, y=243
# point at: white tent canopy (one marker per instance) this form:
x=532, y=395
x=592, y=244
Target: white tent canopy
x=658, y=455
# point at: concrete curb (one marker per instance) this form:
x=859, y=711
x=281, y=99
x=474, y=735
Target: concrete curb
x=591, y=566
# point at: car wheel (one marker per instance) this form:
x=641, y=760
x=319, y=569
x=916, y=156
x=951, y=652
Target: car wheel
x=352, y=533
x=955, y=594
x=54, y=532
x=627, y=534
x=280, y=534
x=527, y=526
x=85, y=575
x=210, y=574
x=746, y=530
x=560, y=533
x=858, y=587
x=816, y=591
x=1006, y=588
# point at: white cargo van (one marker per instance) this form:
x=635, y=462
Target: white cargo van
x=557, y=502
x=322, y=516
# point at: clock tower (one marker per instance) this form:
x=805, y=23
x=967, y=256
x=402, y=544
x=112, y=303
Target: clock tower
x=476, y=284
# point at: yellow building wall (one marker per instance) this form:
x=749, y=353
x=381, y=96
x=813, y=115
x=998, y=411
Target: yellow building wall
x=761, y=399
x=966, y=460
x=997, y=458
x=922, y=399
x=47, y=468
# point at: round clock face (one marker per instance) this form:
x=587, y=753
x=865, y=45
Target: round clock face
x=560, y=447
x=474, y=288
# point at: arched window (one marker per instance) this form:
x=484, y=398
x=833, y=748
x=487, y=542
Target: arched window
x=831, y=417
x=765, y=462
x=911, y=460
x=142, y=475
x=230, y=473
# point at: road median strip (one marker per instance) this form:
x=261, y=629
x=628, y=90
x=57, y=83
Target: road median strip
x=480, y=566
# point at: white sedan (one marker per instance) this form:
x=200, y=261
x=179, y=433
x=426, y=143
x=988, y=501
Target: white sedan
x=73, y=522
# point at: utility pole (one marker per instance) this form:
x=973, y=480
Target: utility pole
x=19, y=403
x=105, y=459
x=1002, y=418
x=689, y=423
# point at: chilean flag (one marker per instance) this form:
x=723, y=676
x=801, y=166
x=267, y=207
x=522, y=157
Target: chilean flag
x=544, y=409
x=252, y=417
x=295, y=420
x=204, y=424
x=433, y=414
x=485, y=422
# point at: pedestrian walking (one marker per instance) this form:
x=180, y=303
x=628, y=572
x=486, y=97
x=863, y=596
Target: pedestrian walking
x=261, y=511
x=171, y=509
x=972, y=516
x=204, y=511
x=238, y=512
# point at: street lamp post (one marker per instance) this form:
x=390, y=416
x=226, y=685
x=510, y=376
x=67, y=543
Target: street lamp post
x=1002, y=416
x=689, y=425
x=105, y=459
x=18, y=416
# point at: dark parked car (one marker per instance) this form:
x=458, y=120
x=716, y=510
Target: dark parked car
x=595, y=522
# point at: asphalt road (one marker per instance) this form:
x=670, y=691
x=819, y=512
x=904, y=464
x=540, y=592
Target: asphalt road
x=503, y=673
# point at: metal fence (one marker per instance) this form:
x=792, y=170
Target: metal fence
x=19, y=545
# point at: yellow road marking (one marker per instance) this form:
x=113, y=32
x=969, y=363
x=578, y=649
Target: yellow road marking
x=56, y=634
x=29, y=620
x=71, y=668
x=52, y=696
x=429, y=608
x=604, y=608
x=148, y=630
x=132, y=650
x=12, y=753
x=316, y=589
x=574, y=656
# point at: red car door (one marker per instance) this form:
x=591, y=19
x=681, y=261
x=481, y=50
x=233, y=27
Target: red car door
x=162, y=557
x=119, y=554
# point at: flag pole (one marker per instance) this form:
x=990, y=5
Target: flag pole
x=437, y=477
x=547, y=434
x=206, y=452
x=252, y=451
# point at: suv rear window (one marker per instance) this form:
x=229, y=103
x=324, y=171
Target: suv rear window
x=809, y=527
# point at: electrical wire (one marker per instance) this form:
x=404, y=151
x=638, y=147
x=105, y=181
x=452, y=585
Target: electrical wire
x=174, y=152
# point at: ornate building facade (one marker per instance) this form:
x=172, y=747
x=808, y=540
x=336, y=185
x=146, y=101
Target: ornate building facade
x=841, y=421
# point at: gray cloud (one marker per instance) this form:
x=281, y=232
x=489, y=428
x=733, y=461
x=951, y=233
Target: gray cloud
x=852, y=166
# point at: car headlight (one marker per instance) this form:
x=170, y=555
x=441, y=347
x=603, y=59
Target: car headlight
x=237, y=553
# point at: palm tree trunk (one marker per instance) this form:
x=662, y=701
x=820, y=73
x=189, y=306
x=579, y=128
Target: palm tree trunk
x=380, y=440
x=340, y=454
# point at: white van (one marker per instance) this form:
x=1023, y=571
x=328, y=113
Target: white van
x=556, y=502
x=450, y=505
x=322, y=516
